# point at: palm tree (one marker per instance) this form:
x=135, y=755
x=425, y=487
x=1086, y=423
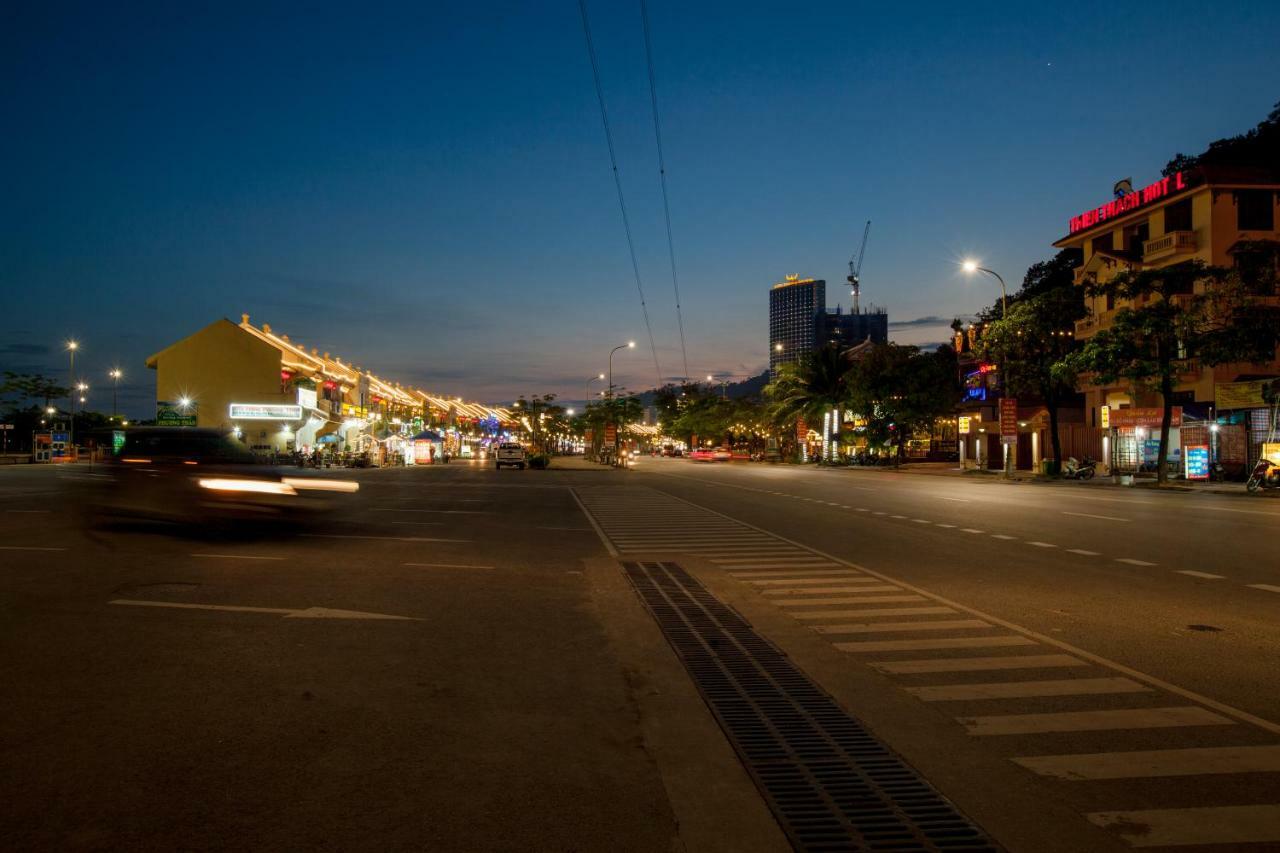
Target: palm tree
x=808, y=389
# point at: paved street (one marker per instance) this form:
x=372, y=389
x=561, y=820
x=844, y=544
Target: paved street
x=461, y=662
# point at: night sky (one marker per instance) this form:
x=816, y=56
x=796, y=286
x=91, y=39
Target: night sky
x=425, y=189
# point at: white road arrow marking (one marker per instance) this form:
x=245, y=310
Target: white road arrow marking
x=305, y=613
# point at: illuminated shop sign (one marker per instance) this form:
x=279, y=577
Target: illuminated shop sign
x=264, y=412
x=1129, y=201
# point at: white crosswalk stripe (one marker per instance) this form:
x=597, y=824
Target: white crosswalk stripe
x=1010, y=673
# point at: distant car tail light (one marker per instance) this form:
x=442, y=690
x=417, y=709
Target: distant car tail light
x=264, y=487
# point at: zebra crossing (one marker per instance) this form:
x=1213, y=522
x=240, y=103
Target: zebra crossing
x=1059, y=713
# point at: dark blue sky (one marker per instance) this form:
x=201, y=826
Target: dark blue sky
x=425, y=189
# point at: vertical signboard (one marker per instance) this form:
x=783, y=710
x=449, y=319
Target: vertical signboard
x=963, y=424
x=1008, y=420
x=1197, y=462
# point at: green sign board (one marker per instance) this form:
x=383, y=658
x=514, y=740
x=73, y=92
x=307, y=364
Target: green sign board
x=175, y=414
x=117, y=441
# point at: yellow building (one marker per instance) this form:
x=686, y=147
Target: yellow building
x=1205, y=214
x=277, y=395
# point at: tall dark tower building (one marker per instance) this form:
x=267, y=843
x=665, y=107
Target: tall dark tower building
x=795, y=307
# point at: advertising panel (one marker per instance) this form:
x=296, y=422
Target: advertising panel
x=265, y=412
x=1009, y=420
x=962, y=424
x=1148, y=418
x=1197, y=461
x=176, y=414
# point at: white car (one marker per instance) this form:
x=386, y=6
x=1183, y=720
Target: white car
x=509, y=453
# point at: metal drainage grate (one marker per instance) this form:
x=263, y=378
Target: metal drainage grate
x=830, y=783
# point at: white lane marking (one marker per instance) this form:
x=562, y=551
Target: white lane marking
x=1002, y=536
x=1025, y=689
x=862, y=509
x=945, y=643
x=1082, y=552
x=383, y=538
x=797, y=573
x=842, y=506
x=1204, y=575
x=1157, y=762
x=1043, y=544
x=808, y=581
x=1093, y=721
x=591, y=519
x=288, y=613
x=878, y=512
x=1204, y=825
x=872, y=611
x=1133, y=562
x=1180, y=504
x=28, y=548
x=875, y=599
x=447, y=566
x=831, y=590
x=901, y=627
x=957, y=500
x=921, y=595
x=971, y=530
x=940, y=524
x=977, y=664
x=436, y=511
x=1091, y=515
x=236, y=557
x=922, y=521
x=1265, y=587
x=895, y=516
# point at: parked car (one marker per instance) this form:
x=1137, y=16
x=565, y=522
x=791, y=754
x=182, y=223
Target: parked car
x=722, y=454
x=509, y=453
x=702, y=454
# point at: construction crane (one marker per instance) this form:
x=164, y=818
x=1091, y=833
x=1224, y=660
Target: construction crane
x=855, y=267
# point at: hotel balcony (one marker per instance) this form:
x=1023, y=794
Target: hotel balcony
x=1173, y=243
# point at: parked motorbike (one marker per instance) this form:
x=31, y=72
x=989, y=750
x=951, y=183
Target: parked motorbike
x=1265, y=476
x=1079, y=469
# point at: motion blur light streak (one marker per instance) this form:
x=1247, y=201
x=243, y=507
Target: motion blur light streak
x=322, y=485
x=266, y=487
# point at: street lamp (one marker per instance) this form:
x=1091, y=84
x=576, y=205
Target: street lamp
x=115, y=373
x=627, y=345
x=971, y=267
x=598, y=376
x=72, y=346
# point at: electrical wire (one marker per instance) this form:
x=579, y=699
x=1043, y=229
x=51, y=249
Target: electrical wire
x=617, y=182
x=662, y=174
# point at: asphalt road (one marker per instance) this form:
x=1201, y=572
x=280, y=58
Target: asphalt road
x=1100, y=671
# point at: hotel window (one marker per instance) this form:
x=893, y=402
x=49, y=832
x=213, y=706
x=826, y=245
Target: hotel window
x=1255, y=210
x=1135, y=235
x=1177, y=216
x=1103, y=242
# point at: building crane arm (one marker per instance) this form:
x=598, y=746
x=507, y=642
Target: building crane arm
x=855, y=266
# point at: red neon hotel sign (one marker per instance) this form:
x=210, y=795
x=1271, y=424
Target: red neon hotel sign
x=1128, y=202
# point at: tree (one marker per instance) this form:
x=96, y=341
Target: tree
x=1255, y=148
x=1177, y=316
x=543, y=420
x=32, y=386
x=808, y=389
x=900, y=390
x=1032, y=342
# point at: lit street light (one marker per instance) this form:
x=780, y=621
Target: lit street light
x=971, y=267
x=72, y=346
x=115, y=373
x=627, y=345
x=598, y=376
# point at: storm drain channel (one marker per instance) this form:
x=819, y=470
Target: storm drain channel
x=830, y=783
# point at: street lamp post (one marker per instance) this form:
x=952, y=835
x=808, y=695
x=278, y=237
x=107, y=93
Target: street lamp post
x=115, y=373
x=72, y=346
x=597, y=377
x=627, y=345
x=971, y=266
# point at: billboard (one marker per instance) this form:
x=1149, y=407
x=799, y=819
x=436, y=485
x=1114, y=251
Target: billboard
x=265, y=412
x=176, y=414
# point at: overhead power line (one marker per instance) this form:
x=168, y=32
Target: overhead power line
x=662, y=174
x=617, y=182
